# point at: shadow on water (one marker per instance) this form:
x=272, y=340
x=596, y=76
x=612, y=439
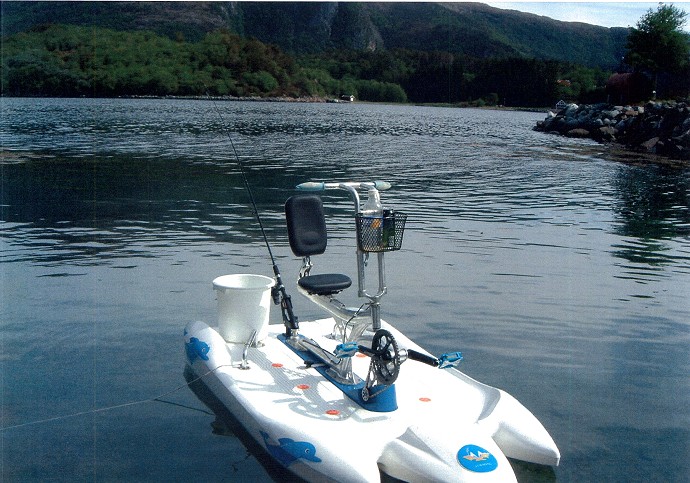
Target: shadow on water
x=533, y=473
x=226, y=424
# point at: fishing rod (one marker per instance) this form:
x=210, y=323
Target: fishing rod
x=278, y=292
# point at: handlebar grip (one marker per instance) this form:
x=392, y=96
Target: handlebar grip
x=312, y=186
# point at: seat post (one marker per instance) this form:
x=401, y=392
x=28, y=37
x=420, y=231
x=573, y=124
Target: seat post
x=306, y=266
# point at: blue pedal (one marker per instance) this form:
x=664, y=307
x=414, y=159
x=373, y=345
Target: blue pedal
x=451, y=359
x=349, y=349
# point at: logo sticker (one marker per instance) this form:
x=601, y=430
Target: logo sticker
x=477, y=459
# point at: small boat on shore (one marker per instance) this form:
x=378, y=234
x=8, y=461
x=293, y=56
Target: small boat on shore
x=349, y=397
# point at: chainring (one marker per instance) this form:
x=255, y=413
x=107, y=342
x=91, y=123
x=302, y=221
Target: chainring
x=385, y=362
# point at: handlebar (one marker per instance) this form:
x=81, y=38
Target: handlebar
x=350, y=186
x=322, y=186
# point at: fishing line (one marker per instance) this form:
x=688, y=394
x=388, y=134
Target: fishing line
x=280, y=295
x=123, y=405
x=244, y=178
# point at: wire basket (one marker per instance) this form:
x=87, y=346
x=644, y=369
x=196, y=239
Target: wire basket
x=376, y=234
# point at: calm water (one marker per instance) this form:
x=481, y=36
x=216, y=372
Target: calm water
x=562, y=274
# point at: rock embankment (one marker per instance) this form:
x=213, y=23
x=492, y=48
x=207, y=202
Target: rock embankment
x=661, y=128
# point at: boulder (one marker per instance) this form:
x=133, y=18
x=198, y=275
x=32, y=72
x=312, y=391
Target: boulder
x=612, y=114
x=606, y=133
x=570, y=110
x=650, y=144
x=578, y=133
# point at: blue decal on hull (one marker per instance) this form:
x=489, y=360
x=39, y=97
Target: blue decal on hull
x=477, y=459
x=288, y=451
x=196, y=349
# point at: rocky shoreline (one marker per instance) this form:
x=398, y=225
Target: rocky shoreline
x=660, y=128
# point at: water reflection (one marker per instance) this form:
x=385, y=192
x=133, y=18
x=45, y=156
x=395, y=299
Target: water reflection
x=67, y=163
x=138, y=170
x=58, y=209
x=653, y=202
x=652, y=206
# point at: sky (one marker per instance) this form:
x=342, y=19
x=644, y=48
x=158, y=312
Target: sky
x=606, y=14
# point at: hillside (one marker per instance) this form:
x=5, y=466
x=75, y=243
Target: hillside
x=192, y=19
x=470, y=29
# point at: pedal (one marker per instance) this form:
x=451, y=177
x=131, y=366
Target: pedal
x=450, y=359
x=348, y=349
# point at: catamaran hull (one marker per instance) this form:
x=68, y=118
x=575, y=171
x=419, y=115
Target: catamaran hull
x=447, y=426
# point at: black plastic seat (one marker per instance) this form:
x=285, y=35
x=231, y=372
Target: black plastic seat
x=325, y=284
x=307, y=234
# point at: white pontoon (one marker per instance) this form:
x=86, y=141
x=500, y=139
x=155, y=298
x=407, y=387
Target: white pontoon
x=349, y=397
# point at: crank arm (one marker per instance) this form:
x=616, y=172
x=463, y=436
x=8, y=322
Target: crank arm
x=450, y=359
x=423, y=358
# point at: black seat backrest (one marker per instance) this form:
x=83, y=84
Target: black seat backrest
x=306, y=225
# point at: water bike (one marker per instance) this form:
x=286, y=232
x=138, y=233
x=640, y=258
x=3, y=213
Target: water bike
x=349, y=398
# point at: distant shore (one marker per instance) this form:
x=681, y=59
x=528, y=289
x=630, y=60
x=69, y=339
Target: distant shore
x=315, y=99
x=657, y=128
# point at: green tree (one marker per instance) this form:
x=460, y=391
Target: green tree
x=263, y=81
x=657, y=44
x=581, y=84
x=375, y=91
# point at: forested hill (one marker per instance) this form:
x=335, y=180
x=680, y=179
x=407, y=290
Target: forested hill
x=470, y=29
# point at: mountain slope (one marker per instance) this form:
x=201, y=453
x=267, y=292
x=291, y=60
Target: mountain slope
x=191, y=19
x=471, y=29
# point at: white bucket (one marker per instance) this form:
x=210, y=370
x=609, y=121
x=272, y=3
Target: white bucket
x=244, y=301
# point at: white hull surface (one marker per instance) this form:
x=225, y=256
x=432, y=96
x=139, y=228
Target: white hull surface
x=447, y=426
